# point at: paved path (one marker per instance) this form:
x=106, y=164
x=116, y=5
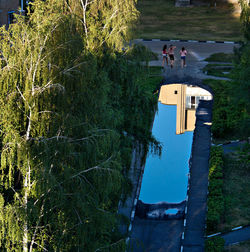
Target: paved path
x=197, y=52
x=135, y=174
x=156, y=235
x=165, y=235
x=237, y=236
x=198, y=186
x=233, y=146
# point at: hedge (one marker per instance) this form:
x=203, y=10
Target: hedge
x=215, y=198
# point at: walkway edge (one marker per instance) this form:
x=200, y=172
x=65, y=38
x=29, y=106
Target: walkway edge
x=190, y=40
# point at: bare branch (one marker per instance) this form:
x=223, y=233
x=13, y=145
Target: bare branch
x=40, y=246
x=46, y=111
x=84, y=9
x=111, y=17
x=17, y=196
x=47, y=86
x=80, y=220
x=20, y=93
x=36, y=228
x=65, y=71
x=69, y=139
x=97, y=167
x=42, y=48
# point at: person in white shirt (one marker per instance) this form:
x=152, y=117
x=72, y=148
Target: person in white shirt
x=183, y=53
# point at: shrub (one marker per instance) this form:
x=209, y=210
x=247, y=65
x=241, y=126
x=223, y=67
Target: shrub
x=215, y=199
x=215, y=244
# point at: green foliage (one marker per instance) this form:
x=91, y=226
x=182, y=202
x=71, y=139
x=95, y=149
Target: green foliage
x=73, y=101
x=230, y=115
x=215, y=199
x=242, y=85
x=214, y=244
x=245, y=18
x=220, y=70
x=244, y=156
x=105, y=24
x=220, y=57
x=236, y=187
x=241, y=246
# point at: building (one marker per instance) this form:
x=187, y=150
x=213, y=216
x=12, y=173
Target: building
x=186, y=98
x=8, y=8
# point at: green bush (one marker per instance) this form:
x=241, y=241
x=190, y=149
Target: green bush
x=215, y=199
x=215, y=244
x=215, y=186
x=215, y=171
x=231, y=103
x=215, y=210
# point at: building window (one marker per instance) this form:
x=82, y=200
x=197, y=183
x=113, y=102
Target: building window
x=193, y=102
x=175, y=92
x=11, y=17
x=186, y=115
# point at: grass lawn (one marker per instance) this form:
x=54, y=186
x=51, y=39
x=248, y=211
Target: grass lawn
x=221, y=57
x=236, y=190
x=154, y=78
x=241, y=247
x=220, y=70
x=161, y=19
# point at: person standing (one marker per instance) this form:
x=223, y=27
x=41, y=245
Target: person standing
x=183, y=53
x=164, y=55
x=171, y=55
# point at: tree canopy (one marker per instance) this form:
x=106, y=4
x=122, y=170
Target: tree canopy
x=72, y=104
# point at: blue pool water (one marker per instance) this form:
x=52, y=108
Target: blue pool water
x=166, y=178
x=171, y=211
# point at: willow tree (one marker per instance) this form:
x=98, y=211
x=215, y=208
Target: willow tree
x=106, y=27
x=55, y=158
x=245, y=18
x=70, y=88
x=241, y=83
x=24, y=77
x=104, y=22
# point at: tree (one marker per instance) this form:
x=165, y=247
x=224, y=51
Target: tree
x=104, y=23
x=245, y=18
x=241, y=81
x=67, y=82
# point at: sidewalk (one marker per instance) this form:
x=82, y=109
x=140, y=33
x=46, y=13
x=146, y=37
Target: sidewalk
x=236, y=236
x=198, y=186
x=135, y=173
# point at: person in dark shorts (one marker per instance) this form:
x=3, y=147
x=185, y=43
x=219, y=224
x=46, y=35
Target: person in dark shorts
x=164, y=55
x=171, y=55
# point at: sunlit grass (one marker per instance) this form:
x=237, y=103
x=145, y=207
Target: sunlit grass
x=161, y=19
